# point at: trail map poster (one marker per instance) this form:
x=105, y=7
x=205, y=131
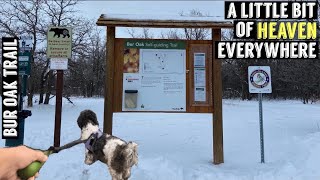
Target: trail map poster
x=156, y=71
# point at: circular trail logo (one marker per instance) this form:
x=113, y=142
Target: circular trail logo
x=259, y=78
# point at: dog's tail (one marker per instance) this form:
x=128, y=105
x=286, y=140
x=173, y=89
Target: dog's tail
x=132, y=154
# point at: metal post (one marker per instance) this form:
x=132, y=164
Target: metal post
x=20, y=107
x=57, y=124
x=24, y=85
x=21, y=119
x=261, y=128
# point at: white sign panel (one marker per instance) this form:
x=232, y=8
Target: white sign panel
x=58, y=63
x=25, y=43
x=160, y=81
x=200, y=94
x=199, y=84
x=199, y=77
x=259, y=78
x=23, y=58
x=199, y=60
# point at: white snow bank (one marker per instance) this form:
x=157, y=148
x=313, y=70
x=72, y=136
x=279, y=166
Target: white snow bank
x=179, y=146
x=159, y=17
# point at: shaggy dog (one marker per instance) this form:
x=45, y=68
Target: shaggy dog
x=117, y=154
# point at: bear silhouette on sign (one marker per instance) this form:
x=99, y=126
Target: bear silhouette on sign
x=60, y=31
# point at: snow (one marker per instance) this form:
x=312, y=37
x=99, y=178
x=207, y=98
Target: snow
x=177, y=146
x=159, y=17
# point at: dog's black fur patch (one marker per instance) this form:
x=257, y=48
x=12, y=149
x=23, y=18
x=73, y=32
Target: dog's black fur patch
x=119, y=158
x=98, y=148
x=86, y=117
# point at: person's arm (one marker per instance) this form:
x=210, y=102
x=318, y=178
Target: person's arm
x=15, y=158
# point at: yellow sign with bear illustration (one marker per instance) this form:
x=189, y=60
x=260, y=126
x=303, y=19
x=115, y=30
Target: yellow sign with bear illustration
x=59, y=42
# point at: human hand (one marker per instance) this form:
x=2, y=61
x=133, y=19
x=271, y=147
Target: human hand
x=15, y=158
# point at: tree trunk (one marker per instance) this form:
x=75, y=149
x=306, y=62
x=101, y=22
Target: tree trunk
x=245, y=95
x=47, y=98
x=92, y=90
x=31, y=84
x=41, y=96
x=49, y=87
x=30, y=97
x=43, y=80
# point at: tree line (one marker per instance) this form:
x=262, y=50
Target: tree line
x=291, y=79
x=86, y=68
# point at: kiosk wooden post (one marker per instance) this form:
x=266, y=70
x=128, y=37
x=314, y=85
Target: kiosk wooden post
x=217, y=103
x=108, y=94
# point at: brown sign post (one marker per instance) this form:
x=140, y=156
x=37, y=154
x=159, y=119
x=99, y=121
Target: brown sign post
x=197, y=86
x=59, y=46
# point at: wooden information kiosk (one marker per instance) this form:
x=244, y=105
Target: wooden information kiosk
x=162, y=75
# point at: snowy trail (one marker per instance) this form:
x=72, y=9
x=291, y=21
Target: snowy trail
x=179, y=146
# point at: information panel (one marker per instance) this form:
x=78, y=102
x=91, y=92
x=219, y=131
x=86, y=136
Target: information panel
x=154, y=79
x=199, y=77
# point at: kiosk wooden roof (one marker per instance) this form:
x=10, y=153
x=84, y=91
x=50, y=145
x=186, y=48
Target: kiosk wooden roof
x=123, y=20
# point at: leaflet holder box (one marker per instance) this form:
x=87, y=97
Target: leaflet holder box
x=130, y=98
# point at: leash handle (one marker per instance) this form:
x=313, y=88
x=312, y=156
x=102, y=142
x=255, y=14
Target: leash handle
x=32, y=168
x=35, y=166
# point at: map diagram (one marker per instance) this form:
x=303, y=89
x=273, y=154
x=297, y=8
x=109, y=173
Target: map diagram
x=162, y=62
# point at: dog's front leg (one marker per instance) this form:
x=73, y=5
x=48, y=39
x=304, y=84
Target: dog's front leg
x=116, y=177
x=114, y=174
x=126, y=174
x=90, y=158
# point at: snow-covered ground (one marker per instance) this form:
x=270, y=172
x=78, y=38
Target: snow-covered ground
x=179, y=146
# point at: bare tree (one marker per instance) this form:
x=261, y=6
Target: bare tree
x=196, y=33
x=33, y=18
x=87, y=79
x=171, y=34
x=62, y=13
x=146, y=33
x=188, y=33
x=18, y=18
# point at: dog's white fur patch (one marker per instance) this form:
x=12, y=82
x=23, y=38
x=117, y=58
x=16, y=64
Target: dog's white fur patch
x=88, y=130
x=110, y=147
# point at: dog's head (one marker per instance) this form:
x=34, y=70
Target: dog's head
x=88, y=123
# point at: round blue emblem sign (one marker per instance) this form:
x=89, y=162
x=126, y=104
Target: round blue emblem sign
x=259, y=78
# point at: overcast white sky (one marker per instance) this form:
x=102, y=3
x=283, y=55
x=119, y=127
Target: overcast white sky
x=93, y=9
